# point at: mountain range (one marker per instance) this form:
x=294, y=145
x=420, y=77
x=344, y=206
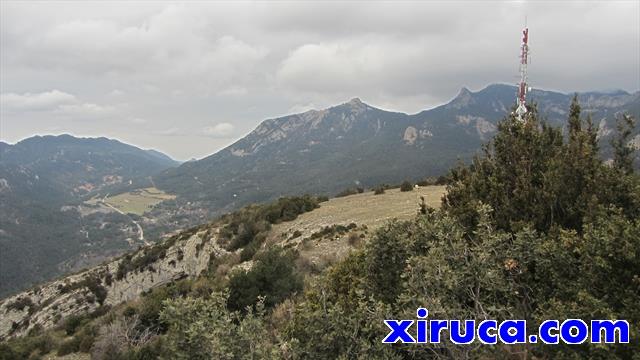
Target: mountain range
x=356, y=144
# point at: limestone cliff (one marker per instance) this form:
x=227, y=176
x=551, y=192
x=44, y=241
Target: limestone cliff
x=184, y=255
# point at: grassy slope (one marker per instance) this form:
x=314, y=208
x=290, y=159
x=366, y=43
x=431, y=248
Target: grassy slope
x=363, y=209
x=367, y=211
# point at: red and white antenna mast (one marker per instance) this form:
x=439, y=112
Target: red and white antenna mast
x=523, y=86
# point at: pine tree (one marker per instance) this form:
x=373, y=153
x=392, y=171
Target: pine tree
x=531, y=175
x=580, y=170
x=623, y=153
x=574, y=124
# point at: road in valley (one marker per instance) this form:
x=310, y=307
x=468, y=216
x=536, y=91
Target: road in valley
x=140, y=231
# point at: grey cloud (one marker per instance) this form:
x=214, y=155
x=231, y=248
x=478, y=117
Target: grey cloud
x=86, y=111
x=53, y=102
x=174, y=131
x=48, y=100
x=220, y=130
x=148, y=70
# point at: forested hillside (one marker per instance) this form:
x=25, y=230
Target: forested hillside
x=43, y=179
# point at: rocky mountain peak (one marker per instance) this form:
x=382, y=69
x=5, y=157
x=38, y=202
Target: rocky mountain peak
x=356, y=105
x=355, y=101
x=464, y=98
x=463, y=92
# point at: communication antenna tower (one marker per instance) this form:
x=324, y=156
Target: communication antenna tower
x=523, y=86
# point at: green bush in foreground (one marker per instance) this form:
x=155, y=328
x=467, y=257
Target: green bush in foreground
x=273, y=277
x=203, y=328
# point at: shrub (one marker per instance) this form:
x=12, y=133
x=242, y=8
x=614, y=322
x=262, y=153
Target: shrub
x=98, y=291
x=273, y=276
x=121, y=338
x=386, y=259
x=27, y=347
x=203, y=328
x=341, y=330
x=36, y=330
x=347, y=192
x=425, y=182
x=129, y=311
x=378, y=190
x=354, y=239
x=69, y=346
x=7, y=352
x=92, y=282
x=100, y=311
x=151, y=350
x=246, y=231
x=306, y=266
x=20, y=303
x=440, y=180
x=108, y=279
x=249, y=250
x=254, y=221
x=332, y=230
x=406, y=186
x=123, y=267
x=287, y=208
x=72, y=323
x=151, y=303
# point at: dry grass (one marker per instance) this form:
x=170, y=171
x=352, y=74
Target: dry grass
x=363, y=209
x=366, y=210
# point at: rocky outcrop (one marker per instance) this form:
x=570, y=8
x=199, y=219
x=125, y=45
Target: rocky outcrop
x=410, y=135
x=186, y=255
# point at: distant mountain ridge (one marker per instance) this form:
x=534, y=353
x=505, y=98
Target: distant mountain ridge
x=42, y=153
x=41, y=179
x=356, y=144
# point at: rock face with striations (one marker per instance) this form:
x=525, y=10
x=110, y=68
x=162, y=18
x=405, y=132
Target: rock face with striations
x=185, y=255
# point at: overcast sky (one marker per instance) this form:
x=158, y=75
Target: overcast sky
x=190, y=78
